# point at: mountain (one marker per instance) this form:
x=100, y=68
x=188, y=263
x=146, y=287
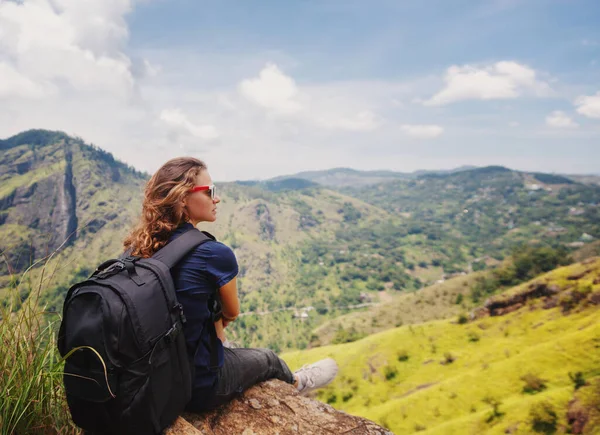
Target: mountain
x=57, y=192
x=347, y=177
x=307, y=253
x=280, y=185
x=486, y=210
x=586, y=179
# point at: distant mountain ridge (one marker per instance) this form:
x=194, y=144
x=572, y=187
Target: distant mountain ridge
x=282, y=184
x=346, y=177
x=339, y=178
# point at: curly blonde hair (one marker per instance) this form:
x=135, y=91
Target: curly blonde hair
x=162, y=210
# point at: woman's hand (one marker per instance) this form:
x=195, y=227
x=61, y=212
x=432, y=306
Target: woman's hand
x=219, y=325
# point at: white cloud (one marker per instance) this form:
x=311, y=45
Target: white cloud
x=66, y=64
x=47, y=44
x=178, y=122
x=423, y=131
x=362, y=121
x=589, y=105
x=502, y=80
x=559, y=119
x=322, y=106
x=513, y=124
x=14, y=84
x=151, y=70
x=273, y=90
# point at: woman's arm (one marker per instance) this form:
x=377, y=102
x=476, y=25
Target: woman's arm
x=230, y=304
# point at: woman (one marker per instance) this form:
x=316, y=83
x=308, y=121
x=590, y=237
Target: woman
x=180, y=195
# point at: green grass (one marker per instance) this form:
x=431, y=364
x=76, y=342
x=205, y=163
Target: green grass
x=32, y=400
x=399, y=377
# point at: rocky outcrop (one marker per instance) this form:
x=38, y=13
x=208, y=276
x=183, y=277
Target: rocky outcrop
x=267, y=226
x=508, y=304
x=583, y=412
x=270, y=408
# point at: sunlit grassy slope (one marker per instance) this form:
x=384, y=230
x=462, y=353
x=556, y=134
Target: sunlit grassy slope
x=443, y=377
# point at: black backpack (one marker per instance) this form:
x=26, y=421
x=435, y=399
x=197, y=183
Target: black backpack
x=132, y=373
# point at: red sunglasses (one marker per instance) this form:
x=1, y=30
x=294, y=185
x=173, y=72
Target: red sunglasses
x=211, y=190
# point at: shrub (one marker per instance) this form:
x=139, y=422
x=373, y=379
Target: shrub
x=543, y=417
x=321, y=307
x=533, y=383
x=448, y=358
x=403, y=355
x=479, y=265
x=347, y=336
x=459, y=299
x=577, y=379
x=473, y=337
x=495, y=404
x=390, y=372
x=462, y=319
x=331, y=398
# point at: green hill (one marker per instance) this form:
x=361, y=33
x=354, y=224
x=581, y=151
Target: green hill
x=447, y=298
x=302, y=247
x=488, y=210
x=509, y=373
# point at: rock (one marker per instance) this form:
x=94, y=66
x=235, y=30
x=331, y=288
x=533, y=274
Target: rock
x=502, y=305
x=255, y=404
x=287, y=413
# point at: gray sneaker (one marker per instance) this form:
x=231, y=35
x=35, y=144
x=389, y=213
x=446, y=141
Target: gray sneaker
x=231, y=344
x=317, y=375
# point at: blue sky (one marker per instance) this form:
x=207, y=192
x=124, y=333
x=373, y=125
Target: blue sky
x=259, y=89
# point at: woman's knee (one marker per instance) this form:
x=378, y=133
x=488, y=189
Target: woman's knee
x=272, y=358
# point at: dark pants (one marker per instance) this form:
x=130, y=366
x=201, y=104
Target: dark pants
x=242, y=368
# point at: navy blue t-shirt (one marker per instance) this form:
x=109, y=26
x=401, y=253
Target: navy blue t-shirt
x=197, y=276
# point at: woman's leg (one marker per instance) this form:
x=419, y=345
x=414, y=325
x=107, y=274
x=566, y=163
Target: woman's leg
x=243, y=368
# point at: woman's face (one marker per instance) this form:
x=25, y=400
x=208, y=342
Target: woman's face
x=199, y=205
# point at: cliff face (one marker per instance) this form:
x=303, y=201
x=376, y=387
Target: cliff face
x=58, y=192
x=37, y=201
x=274, y=407
x=70, y=198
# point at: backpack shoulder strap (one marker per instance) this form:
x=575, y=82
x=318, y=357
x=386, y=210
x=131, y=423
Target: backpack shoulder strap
x=174, y=251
